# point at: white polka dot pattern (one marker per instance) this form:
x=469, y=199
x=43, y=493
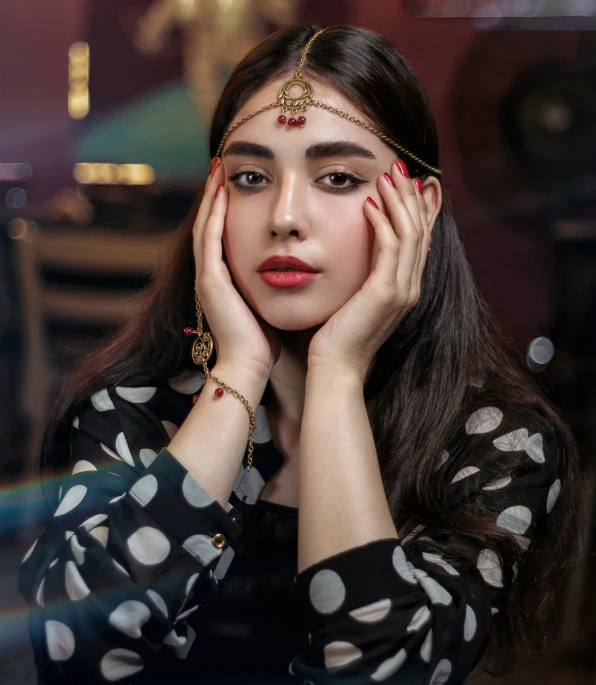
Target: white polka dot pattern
x=120, y=663
x=144, y=490
x=100, y=534
x=427, y=647
x=436, y=559
x=373, y=612
x=389, y=666
x=535, y=448
x=147, y=456
x=93, y=521
x=498, y=483
x=553, y=495
x=130, y=617
x=188, y=382
x=71, y=499
x=39, y=597
x=149, y=546
x=78, y=551
x=489, y=567
x=159, y=601
x=401, y=565
x=136, y=395
x=327, y=591
x=60, y=641
x=123, y=449
x=171, y=428
x=201, y=547
x=194, y=493
x=76, y=588
x=83, y=465
x=512, y=442
x=465, y=472
x=442, y=673
x=340, y=653
x=484, y=420
x=102, y=401
x=517, y=519
x=469, y=624
x=421, y=617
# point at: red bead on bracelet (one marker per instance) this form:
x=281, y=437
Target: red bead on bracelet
x=218, y=392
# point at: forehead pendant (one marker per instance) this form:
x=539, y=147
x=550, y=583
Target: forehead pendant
x=296, y=96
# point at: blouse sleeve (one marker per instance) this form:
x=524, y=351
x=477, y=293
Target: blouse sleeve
x=395, y=610
x=134, y=547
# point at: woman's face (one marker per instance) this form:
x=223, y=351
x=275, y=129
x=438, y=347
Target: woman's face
x=296, y=195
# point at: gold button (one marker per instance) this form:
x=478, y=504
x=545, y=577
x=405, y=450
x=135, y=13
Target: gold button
x=218, y=540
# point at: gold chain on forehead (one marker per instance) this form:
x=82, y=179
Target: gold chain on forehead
x=303, y=100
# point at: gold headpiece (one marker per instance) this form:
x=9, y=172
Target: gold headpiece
x=300, y=103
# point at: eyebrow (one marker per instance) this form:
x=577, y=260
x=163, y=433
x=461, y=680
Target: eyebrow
x=331, y=148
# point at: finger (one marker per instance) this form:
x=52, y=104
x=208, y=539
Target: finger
x=388, y=257
x=204, y=213
x=401, y=176
x=400, y=218
x=213, y=265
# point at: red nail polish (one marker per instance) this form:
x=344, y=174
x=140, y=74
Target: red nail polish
x=217, y=189
x=389, y=179
x=403, y=168
x=418, y=184
x=372, y=202
x=213, y=167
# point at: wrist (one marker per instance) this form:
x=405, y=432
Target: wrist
x=247, y=381
x=335, y=372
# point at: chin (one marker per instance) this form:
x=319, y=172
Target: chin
x=288, y=320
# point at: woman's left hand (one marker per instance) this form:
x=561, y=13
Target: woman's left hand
x=353, y=335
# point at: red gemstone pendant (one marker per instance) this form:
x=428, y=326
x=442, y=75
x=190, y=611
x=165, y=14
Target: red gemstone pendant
x=188, y=331
x=292, y=121
x=195, y=398
x=301, y=121
x=281, y=119
x=218, y=392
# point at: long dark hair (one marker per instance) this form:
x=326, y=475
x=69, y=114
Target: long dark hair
x=417, y=392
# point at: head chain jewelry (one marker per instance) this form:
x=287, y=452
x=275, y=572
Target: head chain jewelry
x=300, y=103
x=202, y=349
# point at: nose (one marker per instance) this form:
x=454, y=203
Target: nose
x=289, y=211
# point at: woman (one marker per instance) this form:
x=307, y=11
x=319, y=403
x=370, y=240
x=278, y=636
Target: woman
x=396, y=500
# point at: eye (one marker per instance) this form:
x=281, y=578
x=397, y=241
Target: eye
x=252, y=176
x=341, y=177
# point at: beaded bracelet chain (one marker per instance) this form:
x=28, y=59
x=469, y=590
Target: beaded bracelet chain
x=202, y=349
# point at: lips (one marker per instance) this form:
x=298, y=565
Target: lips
x=283, y=262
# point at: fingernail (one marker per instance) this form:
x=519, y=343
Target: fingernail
x=389, y=179
x=418, y=184
x=217, y=189
x=373, y=203
x=403, y=168
x=213, y=167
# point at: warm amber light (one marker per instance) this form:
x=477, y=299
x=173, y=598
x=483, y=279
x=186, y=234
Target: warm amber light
x=100, y=173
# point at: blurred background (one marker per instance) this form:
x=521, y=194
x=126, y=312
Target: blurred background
x=104, y=107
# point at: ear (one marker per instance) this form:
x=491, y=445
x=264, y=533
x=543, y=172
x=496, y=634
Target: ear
x=433, y=199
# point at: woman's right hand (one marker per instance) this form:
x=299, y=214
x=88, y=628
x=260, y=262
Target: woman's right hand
x=241, y=337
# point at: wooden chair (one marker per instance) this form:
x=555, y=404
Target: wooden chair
x=91, y=251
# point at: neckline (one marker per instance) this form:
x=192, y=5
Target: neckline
x=279, y=508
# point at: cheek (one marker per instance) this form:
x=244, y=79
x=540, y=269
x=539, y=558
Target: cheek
x=351, y=248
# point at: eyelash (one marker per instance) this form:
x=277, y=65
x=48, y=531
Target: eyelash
x=345, y=189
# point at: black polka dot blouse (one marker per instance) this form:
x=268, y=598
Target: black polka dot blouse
x=142, y=577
